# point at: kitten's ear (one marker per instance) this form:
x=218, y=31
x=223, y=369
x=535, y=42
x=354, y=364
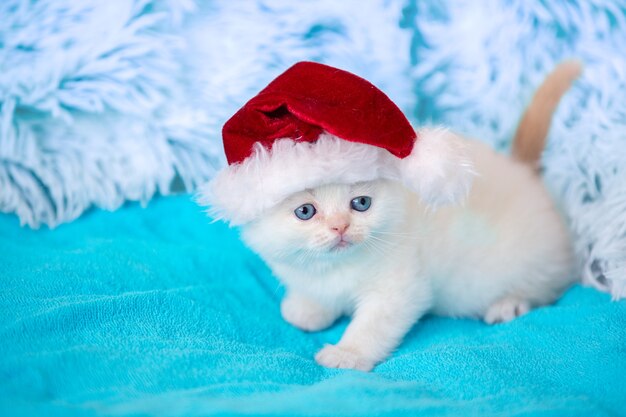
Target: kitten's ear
x=439, y=168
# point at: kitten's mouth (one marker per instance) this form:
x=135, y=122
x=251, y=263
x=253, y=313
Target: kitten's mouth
x=341, y=245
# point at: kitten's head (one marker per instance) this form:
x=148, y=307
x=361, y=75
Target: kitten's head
x=329, y=223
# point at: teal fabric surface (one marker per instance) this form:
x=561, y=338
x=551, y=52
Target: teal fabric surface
x=157, y=312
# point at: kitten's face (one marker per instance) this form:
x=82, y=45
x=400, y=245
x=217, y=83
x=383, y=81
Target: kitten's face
x=329, y=222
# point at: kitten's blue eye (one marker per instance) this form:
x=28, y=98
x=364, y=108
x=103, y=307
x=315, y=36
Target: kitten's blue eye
x=361, y=203
x=305, y=211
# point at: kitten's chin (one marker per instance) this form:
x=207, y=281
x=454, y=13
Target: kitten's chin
x=341, y=246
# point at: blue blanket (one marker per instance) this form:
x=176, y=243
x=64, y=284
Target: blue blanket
x=157, y=312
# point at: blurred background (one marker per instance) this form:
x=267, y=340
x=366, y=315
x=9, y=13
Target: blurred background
x=103, y=102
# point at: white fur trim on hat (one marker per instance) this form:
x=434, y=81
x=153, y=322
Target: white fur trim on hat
x=437, y=170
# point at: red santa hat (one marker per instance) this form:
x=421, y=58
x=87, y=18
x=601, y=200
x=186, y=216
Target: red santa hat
x=314, y=125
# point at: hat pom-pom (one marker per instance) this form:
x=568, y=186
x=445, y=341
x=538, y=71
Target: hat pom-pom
x=439, y=168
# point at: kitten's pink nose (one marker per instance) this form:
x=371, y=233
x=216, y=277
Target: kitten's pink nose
x=340, y=228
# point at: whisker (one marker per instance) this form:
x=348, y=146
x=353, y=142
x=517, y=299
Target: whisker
x=400, y=236
x=374, y=248
x=382, y=240
x=380, y=232
x=410, y=236
x=382, y=246
x=305, y=256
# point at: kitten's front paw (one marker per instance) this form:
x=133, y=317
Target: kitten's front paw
x=334, y=356
x=306, y=314
x=505, y=310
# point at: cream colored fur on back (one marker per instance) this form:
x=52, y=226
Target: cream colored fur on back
x=507, y=240
x=504, y=251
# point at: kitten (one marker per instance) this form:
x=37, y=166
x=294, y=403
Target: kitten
x=374, y=251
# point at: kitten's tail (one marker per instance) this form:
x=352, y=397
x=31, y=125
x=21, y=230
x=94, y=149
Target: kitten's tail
x=530, y=137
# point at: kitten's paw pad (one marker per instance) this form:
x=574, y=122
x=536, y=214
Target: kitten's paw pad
x=305, y=314
x=333, y=356
x=506, y=310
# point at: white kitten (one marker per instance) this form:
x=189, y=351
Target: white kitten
x=374, y=251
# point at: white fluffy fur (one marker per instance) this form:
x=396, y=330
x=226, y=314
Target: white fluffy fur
x=437, y=170
x=504, y=251
x=268, y=176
